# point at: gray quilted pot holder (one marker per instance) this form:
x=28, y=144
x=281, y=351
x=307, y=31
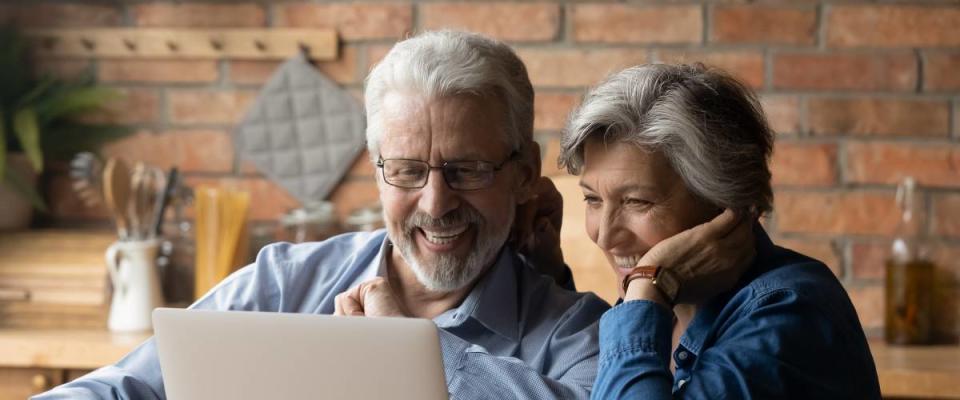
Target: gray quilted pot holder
x=303, y=131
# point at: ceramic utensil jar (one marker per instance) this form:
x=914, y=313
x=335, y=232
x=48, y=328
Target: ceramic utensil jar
x=136, y=284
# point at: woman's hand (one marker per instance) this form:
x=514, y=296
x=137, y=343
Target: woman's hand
x=707, y=259
x=537, y=229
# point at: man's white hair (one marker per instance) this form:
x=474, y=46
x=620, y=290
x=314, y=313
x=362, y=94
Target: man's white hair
x=448, y=63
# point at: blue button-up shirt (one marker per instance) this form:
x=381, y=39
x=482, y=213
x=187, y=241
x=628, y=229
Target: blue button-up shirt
x=787, y=331
x=515, y=335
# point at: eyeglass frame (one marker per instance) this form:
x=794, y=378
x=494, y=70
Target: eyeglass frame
x=495, y=168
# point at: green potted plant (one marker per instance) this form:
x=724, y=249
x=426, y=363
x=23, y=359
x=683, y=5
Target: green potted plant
x=39, y=122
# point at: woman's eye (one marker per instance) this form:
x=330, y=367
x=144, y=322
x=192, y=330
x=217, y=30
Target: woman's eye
x=591, y=200
x=637, y=202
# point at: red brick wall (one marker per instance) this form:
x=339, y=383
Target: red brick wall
x=861, y=94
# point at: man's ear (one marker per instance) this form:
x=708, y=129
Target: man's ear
x=528, y=173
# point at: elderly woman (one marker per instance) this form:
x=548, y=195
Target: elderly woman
x=662, y=151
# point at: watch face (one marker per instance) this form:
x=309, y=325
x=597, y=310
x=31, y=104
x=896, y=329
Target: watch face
x=667, y=282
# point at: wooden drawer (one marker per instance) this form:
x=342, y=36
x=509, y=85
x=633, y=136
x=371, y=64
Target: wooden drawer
x=20, y=383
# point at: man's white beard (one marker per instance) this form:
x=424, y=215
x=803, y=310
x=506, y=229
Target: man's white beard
x=452, y=272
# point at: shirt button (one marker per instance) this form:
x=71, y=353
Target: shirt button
x=682, y=356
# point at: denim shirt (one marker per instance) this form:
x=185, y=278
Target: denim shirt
x=516, y=334
x=788, y=330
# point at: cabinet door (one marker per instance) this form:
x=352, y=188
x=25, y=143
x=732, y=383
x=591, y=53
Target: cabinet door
x=20, y=383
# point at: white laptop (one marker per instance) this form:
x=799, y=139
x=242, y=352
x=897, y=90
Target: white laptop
x=264, y=355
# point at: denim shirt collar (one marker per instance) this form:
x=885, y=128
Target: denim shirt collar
x=492, y=302
x=703, y=322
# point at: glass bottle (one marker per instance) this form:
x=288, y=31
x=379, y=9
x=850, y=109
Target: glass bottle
x=909, y=279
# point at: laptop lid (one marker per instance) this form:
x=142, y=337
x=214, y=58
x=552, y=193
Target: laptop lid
x=265, y=355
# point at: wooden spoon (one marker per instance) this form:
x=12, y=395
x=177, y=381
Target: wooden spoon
x=116, y=192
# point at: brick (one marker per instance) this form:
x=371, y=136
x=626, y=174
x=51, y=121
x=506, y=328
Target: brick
x=869, y=302
x=946, y=215
x=199, y=15
x=804, y=164
x=618, y=23
x=189, y=150
x=550, y=148
x=809, y=71
x=892, y=26
x=501, y=20
x=782, y=112
x=822, y=250
x=747, y=66
x=353, y=21
x=550, y=110
x=268, y=200
x=353, y=194
x=343, y=70
x=66, y=16
x=133, y=106
x=739, y=24
x=66, y=69
x=941, y=72
x=869, y=258
x=362, y=167
x=867, y=213
x=375, y=54
x=577, y=67
x=889, y=162
x=208, y=107
x=157, y=71
x=878, y=117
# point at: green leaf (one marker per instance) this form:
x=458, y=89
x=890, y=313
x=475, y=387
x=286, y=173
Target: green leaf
x=68, y=101
x=3, y=145
x=26, y=129
x=18, y=184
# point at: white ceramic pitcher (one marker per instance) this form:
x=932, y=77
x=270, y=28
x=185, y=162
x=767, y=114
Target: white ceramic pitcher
x=136, y=284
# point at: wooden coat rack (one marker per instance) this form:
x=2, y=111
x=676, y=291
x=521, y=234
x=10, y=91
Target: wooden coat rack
x=279, y=43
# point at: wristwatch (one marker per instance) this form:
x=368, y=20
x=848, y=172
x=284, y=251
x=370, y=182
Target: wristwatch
x=662, y=278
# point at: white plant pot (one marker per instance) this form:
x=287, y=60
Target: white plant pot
x=15, y=210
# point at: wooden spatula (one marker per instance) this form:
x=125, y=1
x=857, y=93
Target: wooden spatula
x=116, y=192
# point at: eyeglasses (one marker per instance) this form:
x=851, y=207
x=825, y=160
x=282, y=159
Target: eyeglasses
x=459, y=175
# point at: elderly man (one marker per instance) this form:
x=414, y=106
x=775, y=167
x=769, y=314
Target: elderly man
x=450, y=121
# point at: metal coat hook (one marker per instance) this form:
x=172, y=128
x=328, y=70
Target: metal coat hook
x=216, y=44
x=172, y=45
x=131, y=45
x=88, y=44
x=304, y=50
x=260, y=45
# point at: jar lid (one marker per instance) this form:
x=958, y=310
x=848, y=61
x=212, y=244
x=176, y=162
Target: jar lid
x=365, y=216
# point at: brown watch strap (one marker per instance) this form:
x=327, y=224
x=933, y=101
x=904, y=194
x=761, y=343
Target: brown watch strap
x=641, y=272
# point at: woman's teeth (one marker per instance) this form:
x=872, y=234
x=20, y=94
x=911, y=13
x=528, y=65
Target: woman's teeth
x=626, y=262
x=445, y=236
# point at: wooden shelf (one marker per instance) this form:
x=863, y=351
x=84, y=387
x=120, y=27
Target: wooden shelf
x=278, y=43
x=67, y=349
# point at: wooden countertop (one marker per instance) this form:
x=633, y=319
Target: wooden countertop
x=918, y=371
x=70, y=349
x=929, y=371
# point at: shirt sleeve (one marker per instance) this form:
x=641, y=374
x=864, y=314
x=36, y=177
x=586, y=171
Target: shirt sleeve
x=137, y=375
x=775, y=346
x=473, y=373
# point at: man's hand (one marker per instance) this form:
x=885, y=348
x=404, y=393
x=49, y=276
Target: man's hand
x=537, y=229
x=373, y=298
x=707, y=259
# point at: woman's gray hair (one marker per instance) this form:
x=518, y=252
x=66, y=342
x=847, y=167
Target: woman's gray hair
x=448, y=63
x=708, y=125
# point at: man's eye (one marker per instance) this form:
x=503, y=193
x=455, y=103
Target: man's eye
x=591, y=200
x=408, y=172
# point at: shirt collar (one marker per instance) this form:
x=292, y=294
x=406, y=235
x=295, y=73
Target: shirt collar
x=492, y=302
x=701, y=325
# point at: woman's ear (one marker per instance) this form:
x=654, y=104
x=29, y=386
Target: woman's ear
x=528, y=171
